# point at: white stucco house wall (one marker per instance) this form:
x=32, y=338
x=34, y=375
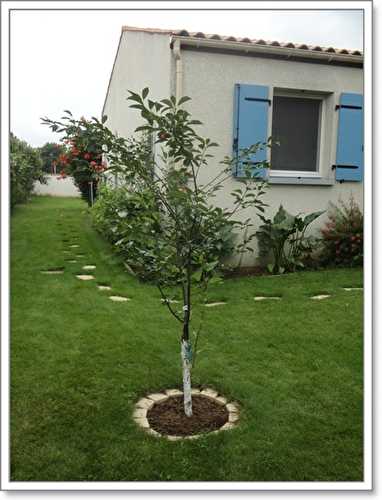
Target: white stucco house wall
x=244, y=91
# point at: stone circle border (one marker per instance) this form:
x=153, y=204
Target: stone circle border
x=146, y=403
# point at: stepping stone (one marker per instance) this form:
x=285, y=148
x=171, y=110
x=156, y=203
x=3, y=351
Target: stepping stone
x=221, y=400
x=157, y=397
x=145, y=403
x=174, y=438
x=53, y=271
x=140, y=413
x=320, y=297
x=213, y=304
x=143, y=422
x=104, y=287
x=266, y=298
x=174, y=392
x=89, y=268
x=233, y=417
x=85, y=277
x=209, y=393
x=118, y=298
x=232, y=408
x=351, y=289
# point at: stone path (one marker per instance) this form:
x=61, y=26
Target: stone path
x=320, y=297
x=120, y=298
x=260, y=297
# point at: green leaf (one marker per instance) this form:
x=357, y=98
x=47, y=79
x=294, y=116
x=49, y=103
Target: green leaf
x=104, y=118
x=167, y=102
x=311, y=217
x=134, y=97
x=145, y=92
x=183, y=100
x=143, y=127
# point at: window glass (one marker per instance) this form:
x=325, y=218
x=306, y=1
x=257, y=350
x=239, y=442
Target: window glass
x=295, y=126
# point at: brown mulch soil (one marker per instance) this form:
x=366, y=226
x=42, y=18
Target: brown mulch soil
x=168, y=417
x=239, y=272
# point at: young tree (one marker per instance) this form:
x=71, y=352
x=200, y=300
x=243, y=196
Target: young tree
x=177, y=236
x=50, y=153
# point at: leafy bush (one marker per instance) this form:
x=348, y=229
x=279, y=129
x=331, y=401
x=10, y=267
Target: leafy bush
x=284, y=237
x=25, y=170
x=131, y=221
x=342, y=236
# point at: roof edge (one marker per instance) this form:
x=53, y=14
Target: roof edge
x=148, y=30
x=253, y=47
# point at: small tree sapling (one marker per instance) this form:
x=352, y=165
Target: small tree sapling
x=179, y=231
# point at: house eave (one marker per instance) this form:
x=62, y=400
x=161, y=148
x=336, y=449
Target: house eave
x=251, y=49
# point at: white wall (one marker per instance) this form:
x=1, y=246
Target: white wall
x=143, y=60
x=57, y=187
x=209, y=80
x=146, y=59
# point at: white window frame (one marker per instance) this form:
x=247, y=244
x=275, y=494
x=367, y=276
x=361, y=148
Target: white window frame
x=303, y=94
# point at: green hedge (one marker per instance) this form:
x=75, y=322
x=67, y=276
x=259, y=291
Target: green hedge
x=25, y=169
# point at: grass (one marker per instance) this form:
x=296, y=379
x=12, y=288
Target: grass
x=80, y=362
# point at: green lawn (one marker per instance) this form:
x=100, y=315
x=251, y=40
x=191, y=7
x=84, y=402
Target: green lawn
x=80, y=362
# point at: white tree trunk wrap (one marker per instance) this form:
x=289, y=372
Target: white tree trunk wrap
x=187, y=362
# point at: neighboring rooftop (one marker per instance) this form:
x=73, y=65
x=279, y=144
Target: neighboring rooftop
x=246, y=40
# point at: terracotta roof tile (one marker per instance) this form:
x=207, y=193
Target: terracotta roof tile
x=260, y=41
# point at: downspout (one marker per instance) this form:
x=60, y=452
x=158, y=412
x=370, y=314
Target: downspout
x=178, y=70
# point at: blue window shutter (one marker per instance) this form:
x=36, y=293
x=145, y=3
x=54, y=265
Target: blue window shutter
x=251, y=108
x=349, y=159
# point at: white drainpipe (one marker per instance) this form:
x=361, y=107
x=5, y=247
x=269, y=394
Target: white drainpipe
x=178, y=70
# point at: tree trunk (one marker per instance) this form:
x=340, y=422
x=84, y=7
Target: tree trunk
x=186, y=363
x=186, y=351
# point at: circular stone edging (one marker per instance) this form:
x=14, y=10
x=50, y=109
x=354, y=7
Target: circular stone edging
x=146, y=403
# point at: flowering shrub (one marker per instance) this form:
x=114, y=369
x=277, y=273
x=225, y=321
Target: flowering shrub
x=82, y=158
x=342, y=236
x=25, y=169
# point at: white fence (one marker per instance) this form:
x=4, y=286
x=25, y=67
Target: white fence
x=57, y=187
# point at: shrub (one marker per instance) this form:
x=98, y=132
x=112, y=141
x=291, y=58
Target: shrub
x=82, y=158
x=25, y=169
x=285, y=238
x=342, y=235
x=129, y=220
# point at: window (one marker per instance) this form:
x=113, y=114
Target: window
x=295, y=125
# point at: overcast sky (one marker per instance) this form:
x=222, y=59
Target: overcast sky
x=63, y=59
